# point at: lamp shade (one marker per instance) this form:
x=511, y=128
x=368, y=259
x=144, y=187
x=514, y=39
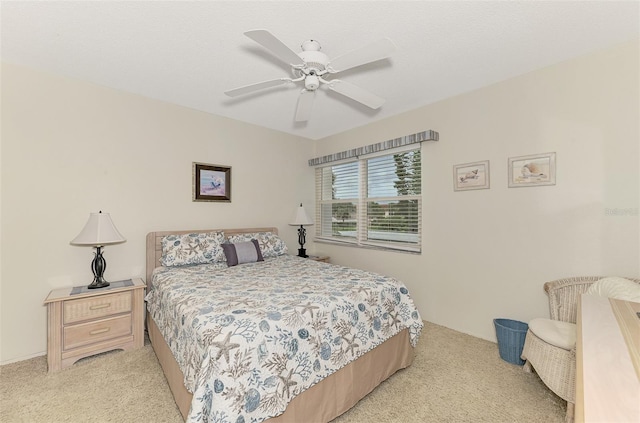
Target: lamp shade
x=99, y=230
x=301, y=217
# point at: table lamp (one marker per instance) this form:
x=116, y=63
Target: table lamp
x=301, y=218
x=98, y=232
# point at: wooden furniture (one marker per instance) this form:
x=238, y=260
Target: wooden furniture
x=324, y=259
x=607, y=381
x=556, y=366
x=322, y=402
x=93, y=321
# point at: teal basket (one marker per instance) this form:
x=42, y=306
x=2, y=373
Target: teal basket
x=510, y=334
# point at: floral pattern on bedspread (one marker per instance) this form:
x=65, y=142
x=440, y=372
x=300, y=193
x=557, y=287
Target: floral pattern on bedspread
x=249, y=338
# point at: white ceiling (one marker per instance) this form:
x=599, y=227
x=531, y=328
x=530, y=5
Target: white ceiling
x=189, y=53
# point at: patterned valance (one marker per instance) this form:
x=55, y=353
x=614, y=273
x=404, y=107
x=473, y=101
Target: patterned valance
x=374, y=148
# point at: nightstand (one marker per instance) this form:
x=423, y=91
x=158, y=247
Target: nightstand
x=324, y=259
x=83, y=322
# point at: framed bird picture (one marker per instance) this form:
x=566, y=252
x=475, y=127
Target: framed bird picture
x=211, y=182
x=533, y=170
x=470, y=176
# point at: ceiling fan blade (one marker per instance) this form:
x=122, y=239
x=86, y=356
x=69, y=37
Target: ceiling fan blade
x=256, y=87
x=356, y=93
x=377, y=50
x=277, y=47
x=305, y=104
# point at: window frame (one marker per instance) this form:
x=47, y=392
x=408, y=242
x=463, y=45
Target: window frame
x=361, y=239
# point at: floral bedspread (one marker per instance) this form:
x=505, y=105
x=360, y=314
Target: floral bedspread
x=249, y=338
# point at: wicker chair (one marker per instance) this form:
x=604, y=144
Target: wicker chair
x=557, y=366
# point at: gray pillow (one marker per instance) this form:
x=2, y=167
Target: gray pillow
x=242, y=252
x=270, y=244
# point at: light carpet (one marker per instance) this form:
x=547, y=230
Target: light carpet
x=454, y=378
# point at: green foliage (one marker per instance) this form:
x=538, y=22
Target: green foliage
x=394, y=217
x=408, y=172
x=397, y=216
x=344, y=211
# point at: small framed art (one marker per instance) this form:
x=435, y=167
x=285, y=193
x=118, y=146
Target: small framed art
x=470, y=176
x=211, y=182
x=533, y=170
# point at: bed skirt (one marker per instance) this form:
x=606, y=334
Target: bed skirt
x=322, y=402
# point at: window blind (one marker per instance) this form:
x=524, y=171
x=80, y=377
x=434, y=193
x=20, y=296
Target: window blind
x=373, y=201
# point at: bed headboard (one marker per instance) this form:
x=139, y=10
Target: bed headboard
x=154, y=243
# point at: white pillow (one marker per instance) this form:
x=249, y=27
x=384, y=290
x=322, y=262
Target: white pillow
x=555, y=332
x=616, y=287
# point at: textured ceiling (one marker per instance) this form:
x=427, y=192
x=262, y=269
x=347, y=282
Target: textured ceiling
x=189, y=53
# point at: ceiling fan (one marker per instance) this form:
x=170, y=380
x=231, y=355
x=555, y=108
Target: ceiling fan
x=312, y=67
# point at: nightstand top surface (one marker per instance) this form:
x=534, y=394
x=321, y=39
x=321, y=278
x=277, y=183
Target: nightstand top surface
x=65, y=293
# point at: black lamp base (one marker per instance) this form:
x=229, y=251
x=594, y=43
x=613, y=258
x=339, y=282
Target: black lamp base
x=101, y=283
x=98, y=266
x=302, y=232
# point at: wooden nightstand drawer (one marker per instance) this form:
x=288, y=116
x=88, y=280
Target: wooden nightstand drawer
x=83, y=322
x=88, y=333
x=96, y=307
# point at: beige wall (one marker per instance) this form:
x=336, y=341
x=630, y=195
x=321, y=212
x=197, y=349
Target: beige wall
x=70, y=148
x=487, y=253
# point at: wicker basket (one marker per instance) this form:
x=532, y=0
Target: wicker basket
x=511, y=335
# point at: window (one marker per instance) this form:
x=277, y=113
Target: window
x=374, y=201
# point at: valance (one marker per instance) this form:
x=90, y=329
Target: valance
x=374, y=148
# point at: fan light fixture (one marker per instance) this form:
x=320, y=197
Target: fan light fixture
x=312, y=66
x=301, y=218
x=98, y=232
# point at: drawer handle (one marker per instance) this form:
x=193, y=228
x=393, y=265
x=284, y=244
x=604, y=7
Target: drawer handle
x=99, y=331
x=98, y=307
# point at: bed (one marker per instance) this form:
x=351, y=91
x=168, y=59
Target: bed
x=284, y=339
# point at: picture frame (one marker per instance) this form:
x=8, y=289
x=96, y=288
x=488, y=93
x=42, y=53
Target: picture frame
x=532, y=170
x=471, y=176
x=211, y=182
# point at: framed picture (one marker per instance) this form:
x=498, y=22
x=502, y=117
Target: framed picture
x=211, y=182
x=469, y=176
x=533, y=170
